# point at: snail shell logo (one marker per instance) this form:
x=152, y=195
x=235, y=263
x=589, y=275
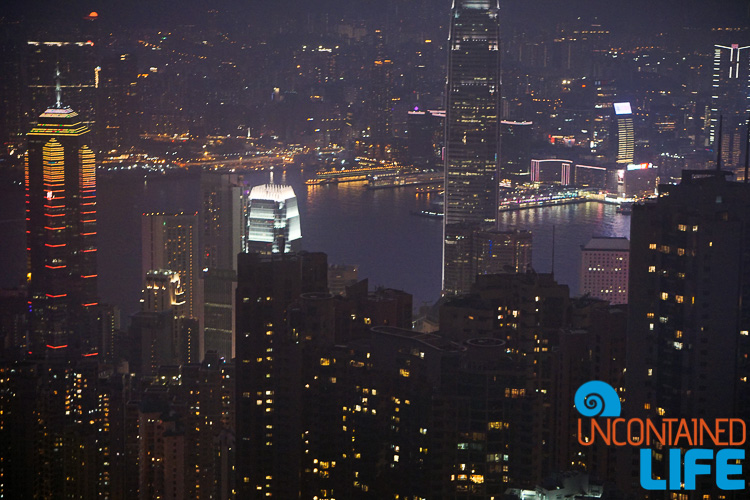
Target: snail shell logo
x=597, y=399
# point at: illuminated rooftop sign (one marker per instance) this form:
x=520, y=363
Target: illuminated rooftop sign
x=623, y=108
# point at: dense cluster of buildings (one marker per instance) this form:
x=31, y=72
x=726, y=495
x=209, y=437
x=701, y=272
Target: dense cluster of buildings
x=254, y=369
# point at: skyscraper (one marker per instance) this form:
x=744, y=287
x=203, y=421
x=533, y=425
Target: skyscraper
x=689, y=304
x=272, y=224
x=170, y=241
x=61, y=230
x=623, y=145
x=471, y=126
x=381, y=129
x=220, y=236
x=730, y=98
x=269, y=371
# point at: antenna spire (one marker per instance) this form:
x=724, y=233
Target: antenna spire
x=58, y=87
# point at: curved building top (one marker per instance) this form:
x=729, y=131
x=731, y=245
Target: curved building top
x=273, y=192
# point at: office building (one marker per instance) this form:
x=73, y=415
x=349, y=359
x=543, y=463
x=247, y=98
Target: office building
x=471, y=126
x=689, y=320
x=221, y=222
x=381, y=79
x=60, y=177
x=272, y=223
x=622, y=138
x=170, y=241
x=730, y=99
x=487, y=251
x=604, y=269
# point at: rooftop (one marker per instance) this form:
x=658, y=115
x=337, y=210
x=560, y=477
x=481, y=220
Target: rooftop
x=273, y=192
x=620, y=244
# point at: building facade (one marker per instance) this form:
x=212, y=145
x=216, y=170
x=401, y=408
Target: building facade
x=689, y=292
x=61, y=231
x=604, y=269
x=472, y=143
x=730, y=100
x=623, y=139
x=170, y=241
x=220, y=235
x=272, y=223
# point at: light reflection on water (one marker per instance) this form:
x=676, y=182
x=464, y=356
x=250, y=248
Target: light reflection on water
x=353, y=225
x=574, y=226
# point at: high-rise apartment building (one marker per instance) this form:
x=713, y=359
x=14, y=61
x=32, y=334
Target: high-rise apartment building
x=689, y=305
x=730, y=99
x=471, y=126
x=272, y=222
x=221, y=221
x=160, y=333
x=604, y=269
x=268, y=370
x=61, y=230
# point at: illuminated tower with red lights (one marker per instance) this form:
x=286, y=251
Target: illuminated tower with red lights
x=61, y=231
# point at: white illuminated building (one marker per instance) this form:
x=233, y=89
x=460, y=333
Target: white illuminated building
x=272, y=220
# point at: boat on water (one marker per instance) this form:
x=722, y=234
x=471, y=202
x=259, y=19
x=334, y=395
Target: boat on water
x=625, y=208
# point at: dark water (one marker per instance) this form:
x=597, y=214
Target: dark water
x=353, y=225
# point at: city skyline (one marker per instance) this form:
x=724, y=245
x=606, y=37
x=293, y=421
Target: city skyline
x=503, y=204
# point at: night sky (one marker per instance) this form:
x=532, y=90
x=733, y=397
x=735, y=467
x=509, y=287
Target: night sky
x=621, y=16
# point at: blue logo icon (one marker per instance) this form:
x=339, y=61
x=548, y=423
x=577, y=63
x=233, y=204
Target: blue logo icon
x=597, y=399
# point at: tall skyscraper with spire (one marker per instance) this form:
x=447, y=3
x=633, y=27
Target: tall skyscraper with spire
x=472, y=143
x=60, y=176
